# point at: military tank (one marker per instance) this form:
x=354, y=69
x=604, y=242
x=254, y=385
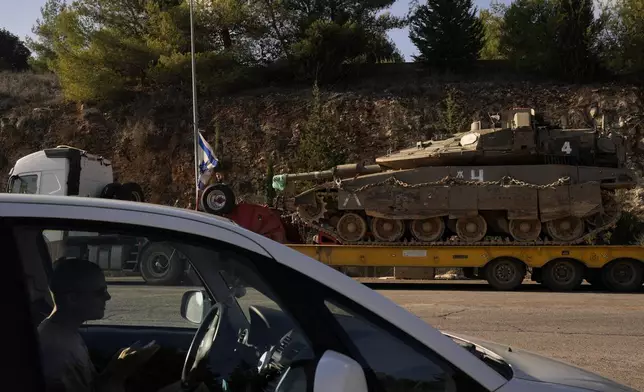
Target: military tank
x=517, y=182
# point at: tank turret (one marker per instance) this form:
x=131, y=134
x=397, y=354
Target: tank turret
x=516, y=178
x=519, y=140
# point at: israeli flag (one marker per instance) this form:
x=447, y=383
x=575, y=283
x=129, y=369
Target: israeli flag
x=207, y=162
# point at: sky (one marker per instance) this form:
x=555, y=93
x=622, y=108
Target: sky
x=18, y=16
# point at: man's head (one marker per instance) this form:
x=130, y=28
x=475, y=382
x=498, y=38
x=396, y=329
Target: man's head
x=79, y=288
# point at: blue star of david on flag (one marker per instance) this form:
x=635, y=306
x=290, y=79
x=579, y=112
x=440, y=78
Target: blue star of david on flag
x=207, y=162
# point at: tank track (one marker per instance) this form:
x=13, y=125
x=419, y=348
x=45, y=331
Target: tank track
x=455, y=241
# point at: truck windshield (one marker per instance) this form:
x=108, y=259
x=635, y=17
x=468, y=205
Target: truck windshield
x=23, y=184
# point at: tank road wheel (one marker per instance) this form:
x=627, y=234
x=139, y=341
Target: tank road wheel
x=611, y=213
x=504, y=273
x=471, y=228
x=427, y=230
x=351, y=227
x=387, y=230
x=566, y=229
x=313, y=213
x=623, y=275
x=525, y=229
x=563, y=274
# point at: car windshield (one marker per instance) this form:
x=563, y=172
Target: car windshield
x=23, y=184
x=245, y=293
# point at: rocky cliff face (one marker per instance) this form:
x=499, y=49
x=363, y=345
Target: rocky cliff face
x=150, y=140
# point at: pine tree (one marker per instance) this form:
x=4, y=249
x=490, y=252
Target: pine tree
x=577, y=31
x=447, y=33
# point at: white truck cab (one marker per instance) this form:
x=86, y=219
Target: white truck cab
x=69, y=171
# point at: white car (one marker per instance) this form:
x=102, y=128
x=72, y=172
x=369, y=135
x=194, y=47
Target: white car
x=262, y=316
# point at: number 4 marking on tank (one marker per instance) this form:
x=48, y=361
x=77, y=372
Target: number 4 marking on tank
x=346, y=200
x=474, y=176
x=566, y=148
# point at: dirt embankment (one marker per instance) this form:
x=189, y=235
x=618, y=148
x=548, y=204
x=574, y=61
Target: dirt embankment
x=150, y=140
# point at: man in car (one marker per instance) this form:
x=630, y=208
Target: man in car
x=80, y=294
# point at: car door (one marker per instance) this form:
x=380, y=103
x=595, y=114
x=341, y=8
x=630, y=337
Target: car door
x=257, y=330
x=279, y=315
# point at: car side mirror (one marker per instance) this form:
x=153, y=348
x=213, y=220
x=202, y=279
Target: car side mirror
x=195, y=304
x=336, y=372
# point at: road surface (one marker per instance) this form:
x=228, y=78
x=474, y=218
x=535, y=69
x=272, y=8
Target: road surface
x=602, y=332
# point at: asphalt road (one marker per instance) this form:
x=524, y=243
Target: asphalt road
x=602, y=332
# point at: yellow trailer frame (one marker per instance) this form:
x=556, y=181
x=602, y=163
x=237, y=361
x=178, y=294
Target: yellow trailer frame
x=561, y=268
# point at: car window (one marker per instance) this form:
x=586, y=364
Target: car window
x=398, y=366
x=147, y=277
x=24, y=184
x=145, y=280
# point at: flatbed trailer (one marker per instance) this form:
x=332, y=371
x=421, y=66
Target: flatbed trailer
x=560, y=268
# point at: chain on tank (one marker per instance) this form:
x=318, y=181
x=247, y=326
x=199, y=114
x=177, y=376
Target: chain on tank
x=338, y=184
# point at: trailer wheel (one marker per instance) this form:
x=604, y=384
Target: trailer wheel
x=131, y=191
x=623, y=275
x=563, y=274
x=218, y=199
x=110, y=190
x=160, y=264
x=505, y=273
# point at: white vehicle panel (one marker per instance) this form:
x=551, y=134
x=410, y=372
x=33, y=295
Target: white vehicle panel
x=37, y=162
x=53, y=182
x=94, y=176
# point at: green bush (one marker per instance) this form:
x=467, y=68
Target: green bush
x=326, y=46
x=528, y=35
x=321, y=146
x=216, y=73
x=557, y=38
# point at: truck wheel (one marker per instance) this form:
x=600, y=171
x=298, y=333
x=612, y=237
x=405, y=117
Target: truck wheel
x=110, y=190
x=218, y=199
x=623, y=275
x=160, y=264
x=131, y=191
x=504, y=273
x=563, y=274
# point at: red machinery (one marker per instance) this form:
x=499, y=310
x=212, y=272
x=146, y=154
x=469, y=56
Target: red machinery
x=219, y=199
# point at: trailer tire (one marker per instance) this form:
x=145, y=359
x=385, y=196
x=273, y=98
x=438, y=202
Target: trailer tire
x=131, y=191
x=110, y=190
x=160, y=264
x=505, y=273
x=563, y=274
x=218, y=199
x=623, y=275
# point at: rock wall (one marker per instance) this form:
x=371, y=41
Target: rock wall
x=150, y=140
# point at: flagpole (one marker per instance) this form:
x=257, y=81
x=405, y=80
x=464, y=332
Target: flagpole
x=195, y=118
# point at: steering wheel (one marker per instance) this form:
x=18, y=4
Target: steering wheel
x=201, y=344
